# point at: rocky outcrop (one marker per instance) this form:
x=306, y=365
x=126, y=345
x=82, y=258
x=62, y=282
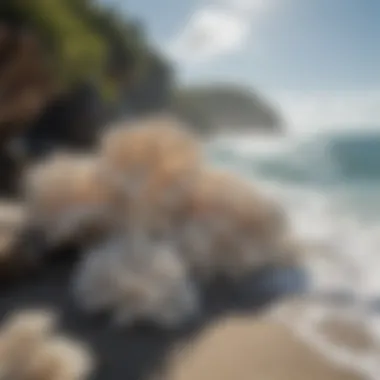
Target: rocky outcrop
x=226, y=108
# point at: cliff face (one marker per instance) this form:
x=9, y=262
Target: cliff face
x=94, y=56
x=25, y=82
x=225, y=107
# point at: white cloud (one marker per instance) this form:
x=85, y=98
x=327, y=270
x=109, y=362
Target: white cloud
x=324, y=110
x=216, y=29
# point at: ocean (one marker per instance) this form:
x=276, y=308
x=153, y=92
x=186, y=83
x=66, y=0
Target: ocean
x=329, y=184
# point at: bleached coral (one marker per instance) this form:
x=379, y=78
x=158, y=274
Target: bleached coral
x=136, y=281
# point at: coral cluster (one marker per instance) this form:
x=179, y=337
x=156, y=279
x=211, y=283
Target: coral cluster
x=151, y=218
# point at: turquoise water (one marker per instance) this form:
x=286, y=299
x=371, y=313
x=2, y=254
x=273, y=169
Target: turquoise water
x=343, y=164
x=321, y=159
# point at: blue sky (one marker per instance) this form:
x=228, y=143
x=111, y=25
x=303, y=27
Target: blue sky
x=309, y=55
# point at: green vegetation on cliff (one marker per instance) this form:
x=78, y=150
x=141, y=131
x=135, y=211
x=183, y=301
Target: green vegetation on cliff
x=85, y=41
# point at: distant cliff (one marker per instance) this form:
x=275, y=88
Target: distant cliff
x=216, y=108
